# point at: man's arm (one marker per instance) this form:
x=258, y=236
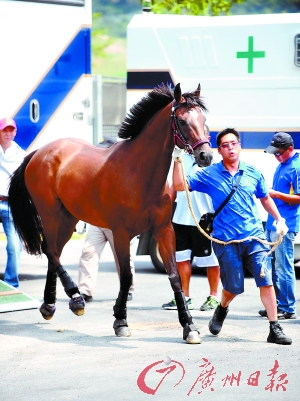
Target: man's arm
x=287, y=198
x=172, y=193
x=269, y=205
x=178, y=182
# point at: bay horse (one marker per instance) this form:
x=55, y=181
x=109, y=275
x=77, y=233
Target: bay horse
x=123, y=188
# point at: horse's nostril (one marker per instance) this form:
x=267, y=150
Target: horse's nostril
x=205, y=155
x=204, y=159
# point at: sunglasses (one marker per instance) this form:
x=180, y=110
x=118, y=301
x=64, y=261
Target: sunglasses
x=226, y=145
x=277, y=154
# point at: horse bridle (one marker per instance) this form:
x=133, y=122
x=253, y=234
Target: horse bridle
x=177, y=134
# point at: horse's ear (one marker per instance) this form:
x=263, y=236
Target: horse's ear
x=177, y=93
x=197, y=92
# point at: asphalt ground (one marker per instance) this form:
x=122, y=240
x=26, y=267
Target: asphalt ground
x=80, y=358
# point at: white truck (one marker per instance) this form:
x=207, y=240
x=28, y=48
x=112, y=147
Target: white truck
x=248, y=67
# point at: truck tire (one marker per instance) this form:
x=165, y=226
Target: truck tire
x=155, y=256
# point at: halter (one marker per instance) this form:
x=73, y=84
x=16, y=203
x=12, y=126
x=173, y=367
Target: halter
x=177, y=134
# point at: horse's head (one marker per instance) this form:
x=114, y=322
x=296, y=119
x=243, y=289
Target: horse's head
x=188, y=125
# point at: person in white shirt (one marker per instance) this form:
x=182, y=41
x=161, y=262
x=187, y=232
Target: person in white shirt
x=190, y=243
x=11, y=156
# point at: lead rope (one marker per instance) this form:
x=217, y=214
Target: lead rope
x=273, y=244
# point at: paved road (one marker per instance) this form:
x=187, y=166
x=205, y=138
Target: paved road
x=79, y=358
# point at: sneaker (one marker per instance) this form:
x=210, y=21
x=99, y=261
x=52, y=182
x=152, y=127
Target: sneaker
x=190, y=304
x=210, y=303
x=172, y=304
x=287, y=315
x=87, y=298
x=277, y=335
x=216, y=323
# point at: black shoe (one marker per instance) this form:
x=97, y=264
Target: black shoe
x=287, y=315
x=129, y=297
x=277, y=335
x=280, y=313
x=87, y=298
x=216, y=323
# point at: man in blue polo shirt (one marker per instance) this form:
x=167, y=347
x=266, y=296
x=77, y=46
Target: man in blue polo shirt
x=239, y=219
x=286, y=194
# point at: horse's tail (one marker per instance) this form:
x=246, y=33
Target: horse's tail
x=26, y=218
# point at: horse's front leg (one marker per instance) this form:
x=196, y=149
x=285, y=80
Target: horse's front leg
x=76, y=303
x=122, y=249
x=166, y=242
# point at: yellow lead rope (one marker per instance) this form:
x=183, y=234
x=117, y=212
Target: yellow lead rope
x=273, y=244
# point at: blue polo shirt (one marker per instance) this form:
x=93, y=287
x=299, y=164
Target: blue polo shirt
x=287, y=180
x=239, y=218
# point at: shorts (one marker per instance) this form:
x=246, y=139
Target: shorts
x=234, y=258
x=190, y=243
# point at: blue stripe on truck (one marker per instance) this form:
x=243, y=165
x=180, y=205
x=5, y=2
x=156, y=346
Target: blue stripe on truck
x=56, y=85
x=148, y=79
x=257, y=140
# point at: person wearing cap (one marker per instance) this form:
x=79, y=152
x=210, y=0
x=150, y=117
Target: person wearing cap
x=238, y=220
x=285, y=192
x=11, y=156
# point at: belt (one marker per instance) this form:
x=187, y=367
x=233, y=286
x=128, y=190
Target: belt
x=3, y=198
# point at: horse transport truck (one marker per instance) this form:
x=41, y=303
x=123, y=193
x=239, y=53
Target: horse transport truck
x=46, y=83
x=248, y=67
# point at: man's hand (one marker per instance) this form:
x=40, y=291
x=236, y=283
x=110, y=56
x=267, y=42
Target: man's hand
x=177, y=152
x=272, y=193
x=281, y=227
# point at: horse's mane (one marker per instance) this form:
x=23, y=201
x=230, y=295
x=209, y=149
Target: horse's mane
x=141, y=112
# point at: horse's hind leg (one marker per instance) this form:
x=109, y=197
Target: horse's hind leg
x=122, y=248
x=64, y=231
x=48, y=307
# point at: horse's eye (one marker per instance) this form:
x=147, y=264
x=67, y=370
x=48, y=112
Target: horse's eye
x=182, y=122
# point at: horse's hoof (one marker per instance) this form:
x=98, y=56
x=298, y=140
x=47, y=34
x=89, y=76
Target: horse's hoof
x=123, y=331
x=121, y=328
x=193, y=338
x=77, y=305
x=47, y=311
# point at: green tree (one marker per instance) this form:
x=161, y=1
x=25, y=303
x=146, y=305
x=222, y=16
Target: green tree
x=224, y=7
x=266, y=7
x=108, y=52
x=193, y=7
x=100, y=39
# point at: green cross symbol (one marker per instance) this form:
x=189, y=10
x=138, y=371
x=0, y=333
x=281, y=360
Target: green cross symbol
x=250, y=54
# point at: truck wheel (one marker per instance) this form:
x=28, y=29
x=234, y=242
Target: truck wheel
x=155, y=256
